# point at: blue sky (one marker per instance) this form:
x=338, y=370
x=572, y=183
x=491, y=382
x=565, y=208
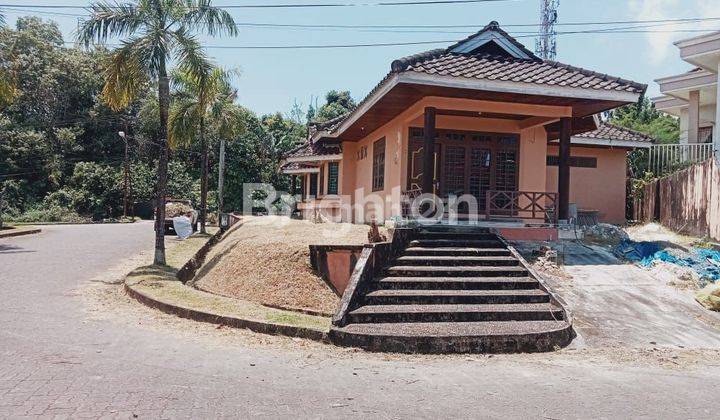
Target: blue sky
x=271, y=80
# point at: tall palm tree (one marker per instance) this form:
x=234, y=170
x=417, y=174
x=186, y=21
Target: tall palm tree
x=200, y=100
x=154, y=33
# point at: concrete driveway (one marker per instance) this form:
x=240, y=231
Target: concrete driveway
x=59, y=359
x=616, y=304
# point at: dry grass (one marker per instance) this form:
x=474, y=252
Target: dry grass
x=267, y=260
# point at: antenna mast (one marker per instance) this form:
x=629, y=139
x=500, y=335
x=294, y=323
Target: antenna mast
x=546, y=43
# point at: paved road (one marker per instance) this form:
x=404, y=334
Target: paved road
x=55, y=361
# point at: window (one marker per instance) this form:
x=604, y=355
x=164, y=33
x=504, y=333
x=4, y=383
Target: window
x=575, y=161
x=313, y=185
x=378, y=172
x=333, y=172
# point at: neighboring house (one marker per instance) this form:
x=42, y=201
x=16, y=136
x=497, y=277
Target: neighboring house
x=495, y=117
x=693, y=96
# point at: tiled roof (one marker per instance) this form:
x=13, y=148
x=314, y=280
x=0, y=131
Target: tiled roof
x=315, y=149
x=295, y=166
x=480, y=66
x=608, y=131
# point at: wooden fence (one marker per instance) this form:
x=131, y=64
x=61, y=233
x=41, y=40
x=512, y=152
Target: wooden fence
x=687, y=201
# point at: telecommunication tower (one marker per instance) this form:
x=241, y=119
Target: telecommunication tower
x=546, y=43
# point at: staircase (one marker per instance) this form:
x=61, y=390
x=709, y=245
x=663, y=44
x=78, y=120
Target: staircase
x=455, y=290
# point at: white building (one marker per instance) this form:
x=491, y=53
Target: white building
x=693, y=96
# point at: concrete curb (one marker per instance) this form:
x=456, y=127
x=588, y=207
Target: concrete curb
x=252, y=325
x=187, y=272
x=19, y=233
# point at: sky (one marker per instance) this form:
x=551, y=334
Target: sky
x=272, y=80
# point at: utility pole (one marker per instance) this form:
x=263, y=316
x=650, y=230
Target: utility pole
x=123, y=135
x=546, y=43
x=2, y=198
x=221, y=177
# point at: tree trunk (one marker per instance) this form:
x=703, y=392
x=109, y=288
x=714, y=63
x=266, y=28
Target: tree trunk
x=204, y=177
x=164, y=102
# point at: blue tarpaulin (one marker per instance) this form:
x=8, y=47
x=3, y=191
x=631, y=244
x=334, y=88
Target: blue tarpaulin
x=705, y=262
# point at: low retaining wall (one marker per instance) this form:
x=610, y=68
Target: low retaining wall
x=229, y=321
x=187, y=271
x=11, y=233
x=373, y=259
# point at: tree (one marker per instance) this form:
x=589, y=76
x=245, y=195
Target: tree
x=201, y=100
x=7, y=86
x=155, y=32
x=643, y=117
x=336, y=104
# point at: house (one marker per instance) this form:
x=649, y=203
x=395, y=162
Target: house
x=491, y=122
x=693, y=96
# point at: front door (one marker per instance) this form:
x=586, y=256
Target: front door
x=416, y=153
x=468, y=162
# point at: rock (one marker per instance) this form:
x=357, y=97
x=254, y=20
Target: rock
x=605, y=233
x=709, y=297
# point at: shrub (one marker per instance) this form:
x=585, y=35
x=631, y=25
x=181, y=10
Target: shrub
x=49, y=214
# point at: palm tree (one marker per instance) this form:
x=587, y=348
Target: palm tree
x=201, y=100
x=154, y=33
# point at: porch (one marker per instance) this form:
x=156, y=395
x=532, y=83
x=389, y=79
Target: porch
x=486, y=174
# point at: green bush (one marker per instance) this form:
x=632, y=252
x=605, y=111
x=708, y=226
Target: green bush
x=49, y=214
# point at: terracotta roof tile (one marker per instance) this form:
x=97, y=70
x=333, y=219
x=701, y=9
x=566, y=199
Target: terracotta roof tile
x=608, y=131
x=550, y=73
x=309, y=149
x=295, y=166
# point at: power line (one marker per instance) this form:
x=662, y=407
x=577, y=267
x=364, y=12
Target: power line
x=300, y=5
x=26, y=8
x=445, y=41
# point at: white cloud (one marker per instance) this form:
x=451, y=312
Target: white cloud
x=661, y=43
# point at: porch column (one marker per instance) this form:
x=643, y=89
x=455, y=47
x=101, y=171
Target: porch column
x=716, y=127
x=293, y=185
x=693, y=116
x=429, y=151
x=564, y=168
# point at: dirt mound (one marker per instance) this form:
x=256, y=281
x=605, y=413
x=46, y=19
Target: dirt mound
x=267, y=260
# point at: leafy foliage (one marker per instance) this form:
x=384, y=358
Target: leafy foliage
x=643, y=117
x=336, y=104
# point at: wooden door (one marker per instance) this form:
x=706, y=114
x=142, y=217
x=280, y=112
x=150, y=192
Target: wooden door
x=416, y=154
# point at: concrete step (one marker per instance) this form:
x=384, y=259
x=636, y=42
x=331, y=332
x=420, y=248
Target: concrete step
x=456, y=313
x=455, y=271
x=458, y=283
x=456, y=337
x=452, y=261
x=456, y=243
x=455, y=229
x=477, y=236
x=428, y=297
x=456, y=251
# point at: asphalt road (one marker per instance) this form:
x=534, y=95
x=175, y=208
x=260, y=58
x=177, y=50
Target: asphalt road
x=56, y=361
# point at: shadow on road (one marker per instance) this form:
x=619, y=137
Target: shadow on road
x=12, y=249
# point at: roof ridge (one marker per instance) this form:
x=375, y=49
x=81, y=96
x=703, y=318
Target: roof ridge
x=620, y=127
x=603, y=76
x=403, y=63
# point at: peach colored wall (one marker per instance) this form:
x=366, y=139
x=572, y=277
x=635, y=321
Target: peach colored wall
x=340, y=265
x=358, y=173
x=601, y=188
